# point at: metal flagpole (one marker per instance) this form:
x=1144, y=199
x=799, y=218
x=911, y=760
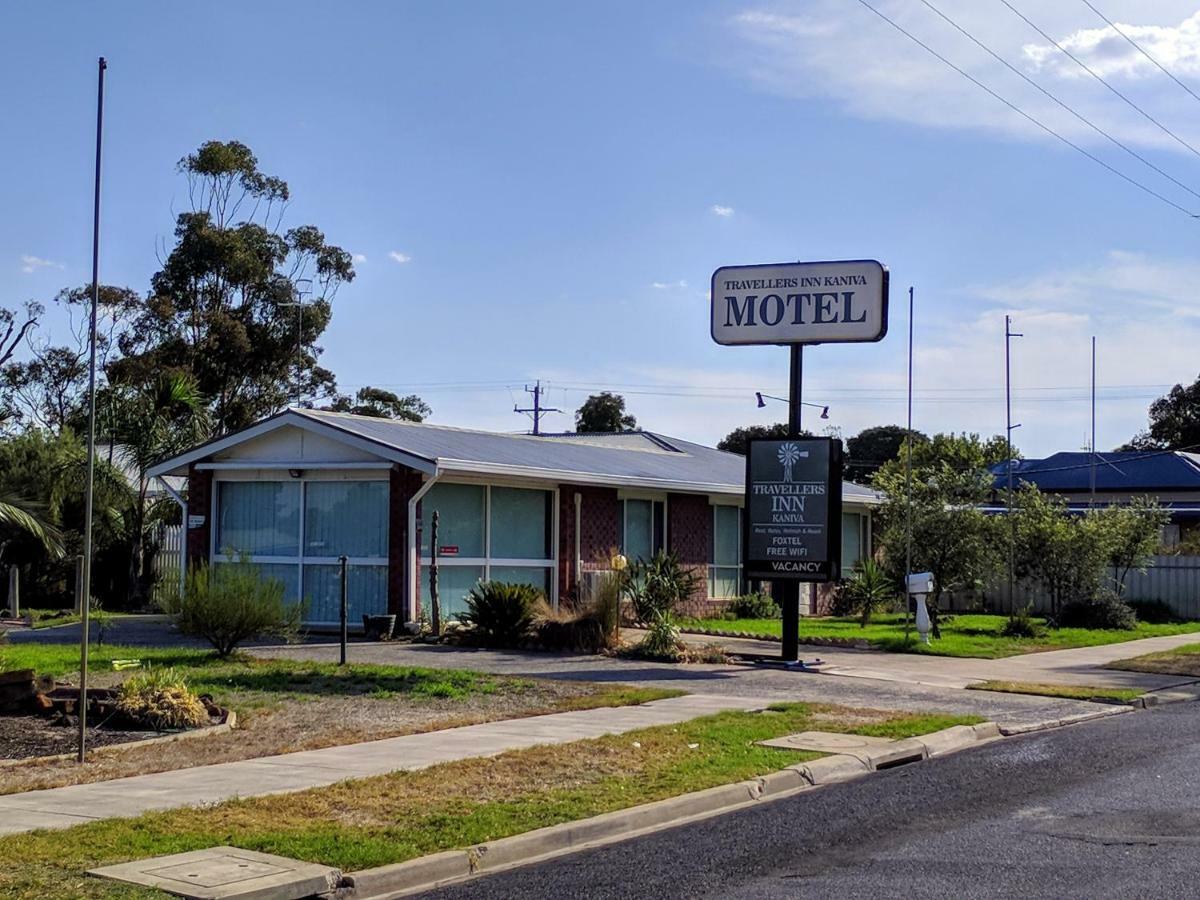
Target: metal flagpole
x=908, y=470
x=86, y=589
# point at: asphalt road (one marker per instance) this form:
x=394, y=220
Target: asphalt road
x=1109, y=808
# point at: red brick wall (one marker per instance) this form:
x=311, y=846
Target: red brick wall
x=403, y=484
x=199, y=503
x=600, y=531
x=689, y=536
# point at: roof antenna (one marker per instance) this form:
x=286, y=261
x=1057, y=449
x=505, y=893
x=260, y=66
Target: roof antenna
x=537, y=409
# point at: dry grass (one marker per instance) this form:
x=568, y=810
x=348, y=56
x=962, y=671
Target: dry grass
x=1183, y=661
x=1068, y=691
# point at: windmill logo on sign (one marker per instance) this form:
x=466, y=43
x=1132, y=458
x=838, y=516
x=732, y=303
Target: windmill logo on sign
x=789, y=455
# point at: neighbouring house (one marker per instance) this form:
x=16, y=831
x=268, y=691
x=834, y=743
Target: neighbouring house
x=299, y=490
x=1172, y=477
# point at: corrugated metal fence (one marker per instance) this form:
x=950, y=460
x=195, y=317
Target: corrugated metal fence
x=1173, y=580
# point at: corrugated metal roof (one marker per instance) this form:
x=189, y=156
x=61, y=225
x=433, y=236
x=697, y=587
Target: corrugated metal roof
x=637, y=458
x=1125, y=471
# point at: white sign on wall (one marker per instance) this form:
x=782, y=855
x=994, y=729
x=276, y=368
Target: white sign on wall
x=800, y=303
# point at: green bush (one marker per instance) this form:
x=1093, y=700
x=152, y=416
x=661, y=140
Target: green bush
x=1156, y=612
x=752, y=606
x=1105, y=611
x=501, y=614
x=161, y=699
x=658, y=586
x=1020, y=625
x=661, y=641
x=230, y=603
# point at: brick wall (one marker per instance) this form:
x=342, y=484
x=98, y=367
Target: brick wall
x=199, y=503
x=689, y=537
x=600, y=514
x=403, y=483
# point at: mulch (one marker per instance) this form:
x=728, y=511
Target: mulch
x=22, y=737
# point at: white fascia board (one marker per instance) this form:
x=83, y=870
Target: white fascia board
x=472, y=467
x=179, y=464
x=293, y=464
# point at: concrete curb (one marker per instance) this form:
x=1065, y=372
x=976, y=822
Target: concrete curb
x=1182, y=694
x=451, y=866
x=1028, y=727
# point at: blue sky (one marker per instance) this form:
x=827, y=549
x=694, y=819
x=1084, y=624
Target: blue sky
x=542, y=190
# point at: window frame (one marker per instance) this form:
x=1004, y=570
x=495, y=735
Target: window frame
x=217, y=554
x=657, y=501
x=712, y=552
x=487, y=561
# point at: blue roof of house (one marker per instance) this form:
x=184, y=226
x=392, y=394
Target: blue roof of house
x=1119, y=472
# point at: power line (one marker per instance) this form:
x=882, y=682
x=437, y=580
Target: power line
x=1113, y=25
x=1086, y=121
x=1102, y=80
x=1046, y=128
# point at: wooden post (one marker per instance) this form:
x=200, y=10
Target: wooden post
x=435, y=606
x=14, y=591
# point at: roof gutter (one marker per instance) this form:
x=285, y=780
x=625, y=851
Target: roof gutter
x=414, y=586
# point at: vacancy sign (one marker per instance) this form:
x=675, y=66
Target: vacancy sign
x=800, y=303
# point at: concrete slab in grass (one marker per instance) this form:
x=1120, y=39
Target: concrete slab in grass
x=829, y=742
x=227, y=873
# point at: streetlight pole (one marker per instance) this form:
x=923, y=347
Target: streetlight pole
x=1009, y=334
x=90, y=481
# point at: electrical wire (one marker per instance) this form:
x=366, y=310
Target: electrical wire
x=1115, y=27
x=1149, y=118
x=1082, y=118
x=1044, y=127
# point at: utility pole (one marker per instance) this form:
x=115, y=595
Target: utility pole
x=537, y=409
x=1092, y=448
x=908, y=470
x=1009, y=334
x=299, y=304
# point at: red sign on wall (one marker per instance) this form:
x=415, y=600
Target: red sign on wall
x=448, y=550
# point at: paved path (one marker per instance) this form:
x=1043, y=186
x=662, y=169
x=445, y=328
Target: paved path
x=125, y=797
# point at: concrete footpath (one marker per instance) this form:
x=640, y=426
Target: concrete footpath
x=127, y=797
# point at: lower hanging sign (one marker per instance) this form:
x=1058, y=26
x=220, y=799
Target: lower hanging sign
x=792, y=526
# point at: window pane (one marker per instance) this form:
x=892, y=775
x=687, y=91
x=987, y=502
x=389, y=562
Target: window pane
x=454, y=582
x=460, y=518
x=851, y=540
x=288, y=573
x=520, y=523
x=346, y=517
x=538, y=576
x=726, y=538
x=258, y=517
x=723, y=582
x=639, y=530
x=366, y=592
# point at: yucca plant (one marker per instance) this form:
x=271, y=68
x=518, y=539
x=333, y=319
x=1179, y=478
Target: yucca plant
x=868, y=588
x=502, y=614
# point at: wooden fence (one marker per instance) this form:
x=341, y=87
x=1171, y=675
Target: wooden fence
x=168, y=561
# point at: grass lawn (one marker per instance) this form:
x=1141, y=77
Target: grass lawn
x=286, y=705
x=1183, y=660
x=1070, y=692
x=965, y=635
x=392, y=818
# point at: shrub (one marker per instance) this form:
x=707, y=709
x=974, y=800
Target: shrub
x=656, y=587
x=752, y=606
x=1020, y=625
x=502, y=614
x=160, y=699
x=1155, y=612
x=661, y=641
x=1105, y=611
x=229, y=603
x=867, y=589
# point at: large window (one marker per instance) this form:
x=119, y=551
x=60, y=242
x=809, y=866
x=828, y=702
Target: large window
x=725, y=573
x=643, y=528
x=297, y=530
x=486, y=533
x=854, y=540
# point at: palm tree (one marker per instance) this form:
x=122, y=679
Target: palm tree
x=19, y=514
x=152, y=422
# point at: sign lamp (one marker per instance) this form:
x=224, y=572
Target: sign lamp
x=763, y=398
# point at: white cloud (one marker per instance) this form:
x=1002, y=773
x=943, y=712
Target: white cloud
x=31, y=264
x=828, y=49
x=399, y=257
x=1175, y=47
x=669, y=285
x=723, y=211
x=360, y=257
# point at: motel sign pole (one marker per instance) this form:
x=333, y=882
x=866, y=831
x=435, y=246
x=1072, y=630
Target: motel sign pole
x=787, y=591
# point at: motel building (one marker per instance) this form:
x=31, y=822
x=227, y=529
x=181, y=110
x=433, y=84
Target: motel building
x=299, y=490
